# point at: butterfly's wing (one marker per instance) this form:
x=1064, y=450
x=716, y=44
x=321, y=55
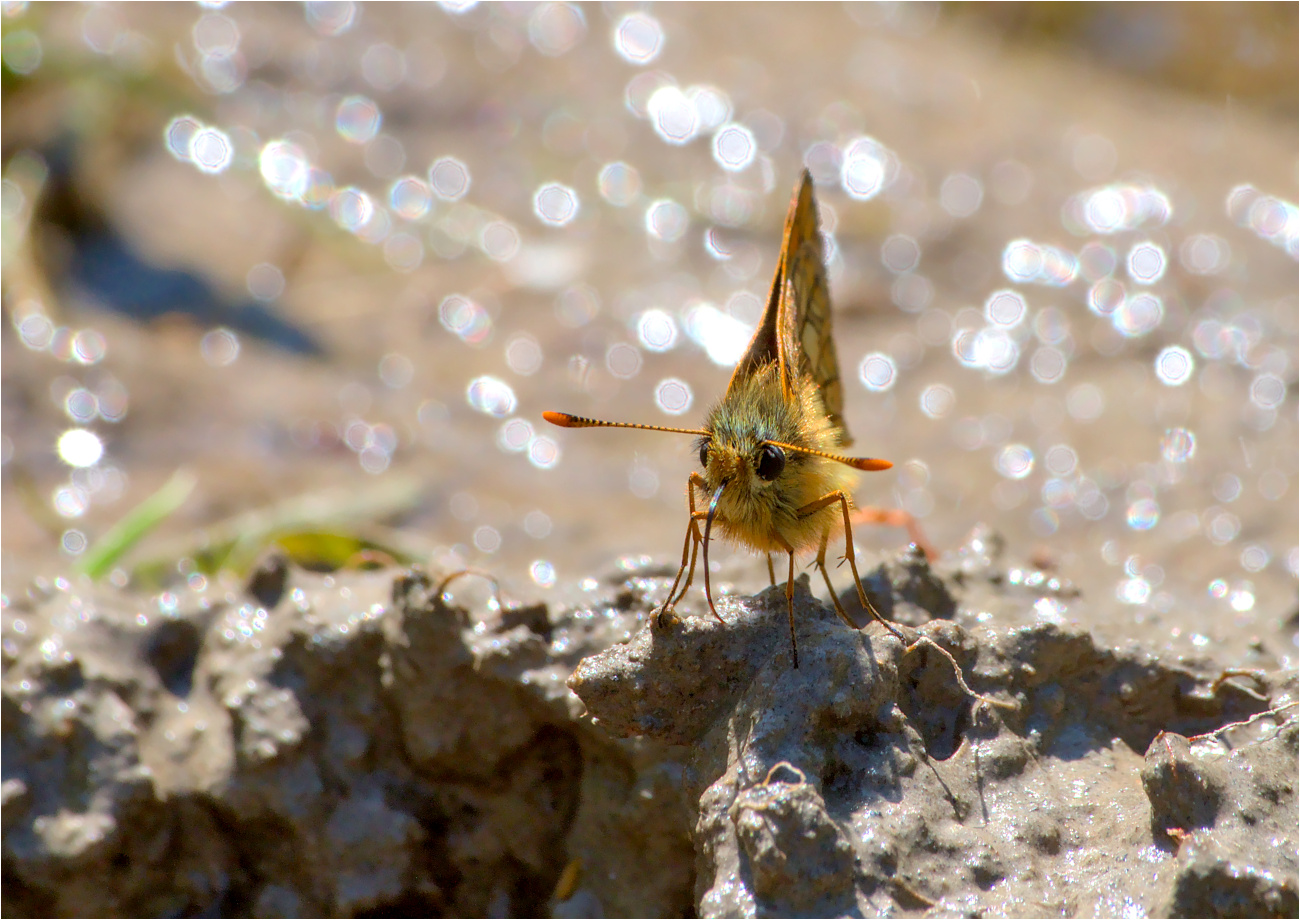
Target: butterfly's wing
x=795, y=330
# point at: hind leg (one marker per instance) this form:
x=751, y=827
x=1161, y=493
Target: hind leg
x=897, y=517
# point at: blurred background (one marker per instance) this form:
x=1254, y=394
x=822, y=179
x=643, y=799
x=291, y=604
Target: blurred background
x=311, y=273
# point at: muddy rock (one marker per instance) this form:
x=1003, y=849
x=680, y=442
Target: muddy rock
x=358, y=746
x=366, y=744
x=869, y=781
x=1227, y=800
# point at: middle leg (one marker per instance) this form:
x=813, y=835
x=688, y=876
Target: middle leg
x=838, y=497
x=826, y=577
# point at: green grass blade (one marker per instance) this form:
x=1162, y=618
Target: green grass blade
x=141, y=519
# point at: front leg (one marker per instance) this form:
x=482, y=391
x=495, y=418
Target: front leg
x=690, y=551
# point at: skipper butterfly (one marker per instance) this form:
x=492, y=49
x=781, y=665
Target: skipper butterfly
x=773, y=477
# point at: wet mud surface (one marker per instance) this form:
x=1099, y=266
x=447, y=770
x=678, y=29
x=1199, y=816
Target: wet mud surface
x=354, y=743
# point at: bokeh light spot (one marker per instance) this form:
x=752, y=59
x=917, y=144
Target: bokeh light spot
x=396, y=370
x=734, y=147
x=543, y=573
x=70, y=501
x=555, y=204
x=1146, y=263
x=619, y=184
x=491, y=396
x=1060, y=459
x=656, y=330
x=1048, y=364
x=878, y=372
x=543, y=452
x=537, y=524
x=465, y=318
x=524, y=355
x=937, y=400
x=623, y=360
x=1205, y=254
x=673, y=396
x=285, y=169
x=1143, y=514
x=179, y=135
x=211, y=150
x=1027, y=262
x=1268, y=391
x=514, y=435
x=1014, y=461
x=331, y=17
x=1178, y=445
x=219, y=347
x=1138, y=315
x=900, y=253
x=576, y=306
x=961, y=195
x=21, y=52
x=673, y=115
x=265, y=282
x=351, y=208
x=722, y=336
x=1005, y=309
x=78, y=447
x=1174, y=366
x=500, y=241
x=638, y=38
x=487, y=538
x=666, y=220
x=383, y=66
x=1106, y=296
x=73, y=542
x=449, y=178
x=712, y=106
x=410, y=197
x=1085, y=402
x=88, y=347
x=866, y=168
x=556, y=28
x=357, y=119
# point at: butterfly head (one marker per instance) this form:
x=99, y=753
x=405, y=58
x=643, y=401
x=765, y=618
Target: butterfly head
x=750, y=462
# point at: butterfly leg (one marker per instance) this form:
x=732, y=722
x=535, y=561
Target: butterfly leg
x=908, y=646
x=690, y=547
x=771, y=572
x=831, y=498
x=690, y=552
x=789, y=601
x=826, y=577
x=897, y=517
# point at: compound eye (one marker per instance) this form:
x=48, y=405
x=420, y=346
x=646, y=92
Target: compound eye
x=704, y=455
x=771, y=461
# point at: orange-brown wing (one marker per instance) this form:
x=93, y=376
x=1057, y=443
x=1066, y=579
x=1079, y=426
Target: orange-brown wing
x=796, y=326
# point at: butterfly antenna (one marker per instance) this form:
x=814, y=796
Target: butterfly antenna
x=866, y=464
x=565, y=420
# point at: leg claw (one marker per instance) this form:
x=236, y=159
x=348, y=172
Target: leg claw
x=666, y=618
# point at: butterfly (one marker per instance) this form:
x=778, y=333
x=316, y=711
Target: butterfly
x=773, y=476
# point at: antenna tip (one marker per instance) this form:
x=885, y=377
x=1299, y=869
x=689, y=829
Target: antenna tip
x=870, y=464
x=563, y=419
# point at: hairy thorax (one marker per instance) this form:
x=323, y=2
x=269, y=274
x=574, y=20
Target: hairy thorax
x=765, y=515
